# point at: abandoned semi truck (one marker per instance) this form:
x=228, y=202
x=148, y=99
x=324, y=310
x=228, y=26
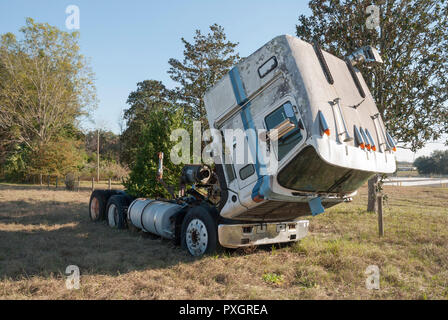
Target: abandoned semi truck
x=329, y=140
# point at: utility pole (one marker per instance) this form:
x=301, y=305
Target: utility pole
x=121, y=125
x=98, y=156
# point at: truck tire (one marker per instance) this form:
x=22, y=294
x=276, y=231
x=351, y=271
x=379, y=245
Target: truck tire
x=199, y=233
x=97, y=205
x=98, y=202
x=117, y=207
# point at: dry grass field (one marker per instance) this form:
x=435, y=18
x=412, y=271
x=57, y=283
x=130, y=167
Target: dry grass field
x=44, y=231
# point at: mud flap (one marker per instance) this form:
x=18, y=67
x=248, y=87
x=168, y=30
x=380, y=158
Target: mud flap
x=316, y=206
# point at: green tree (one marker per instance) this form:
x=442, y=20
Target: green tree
x=436, y=163
x=109, y=145
x=156, y=111
x=150, y=96
x=155, y=137
x=411, y=87
x=205, y=61
x=45, y=87
x=61, y=156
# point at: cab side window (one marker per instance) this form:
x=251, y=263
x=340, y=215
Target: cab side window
x=247, y=171
x=293, y=137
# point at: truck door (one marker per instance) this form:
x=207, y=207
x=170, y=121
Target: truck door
x=237, y=161
x=243, y=160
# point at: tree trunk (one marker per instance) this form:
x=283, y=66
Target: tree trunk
x=372, y=202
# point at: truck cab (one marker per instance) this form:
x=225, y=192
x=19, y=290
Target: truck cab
x=336, y=139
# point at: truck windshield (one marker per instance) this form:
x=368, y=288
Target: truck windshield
x=288, y=141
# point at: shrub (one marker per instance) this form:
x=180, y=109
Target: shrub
x=70, y=181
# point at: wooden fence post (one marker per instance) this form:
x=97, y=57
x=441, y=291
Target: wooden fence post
x=48, y=181
x=93, y=183
x=380, y=215
x=109, y=184
x=78, y=185
x=40, y=178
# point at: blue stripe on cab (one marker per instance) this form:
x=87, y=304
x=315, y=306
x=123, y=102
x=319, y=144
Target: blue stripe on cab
x=237, y=85
x=246, y=117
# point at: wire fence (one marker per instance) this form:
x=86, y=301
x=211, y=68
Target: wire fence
x=73, y=183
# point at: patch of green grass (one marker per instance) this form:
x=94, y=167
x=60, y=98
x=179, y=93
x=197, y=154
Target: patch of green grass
x=310, y=276
x=273, y=278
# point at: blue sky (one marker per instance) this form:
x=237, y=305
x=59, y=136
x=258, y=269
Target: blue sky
x=130, y=41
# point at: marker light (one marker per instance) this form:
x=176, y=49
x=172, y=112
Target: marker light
x=364, y=137
x=372, y=142
x=323, y=124
x=358, y=138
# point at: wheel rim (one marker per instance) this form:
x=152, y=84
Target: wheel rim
x=95, y=209
x=196, y=237
x=112, y=215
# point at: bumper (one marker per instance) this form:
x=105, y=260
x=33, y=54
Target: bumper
x=243, y=235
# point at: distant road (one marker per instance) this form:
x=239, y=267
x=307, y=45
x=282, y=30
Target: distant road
x=417, y=181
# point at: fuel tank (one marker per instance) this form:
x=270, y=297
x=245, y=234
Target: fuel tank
x=153, y=216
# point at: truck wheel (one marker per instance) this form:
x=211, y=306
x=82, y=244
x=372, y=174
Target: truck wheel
x=97, y=205
x=199, y=233
x=117, y=207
